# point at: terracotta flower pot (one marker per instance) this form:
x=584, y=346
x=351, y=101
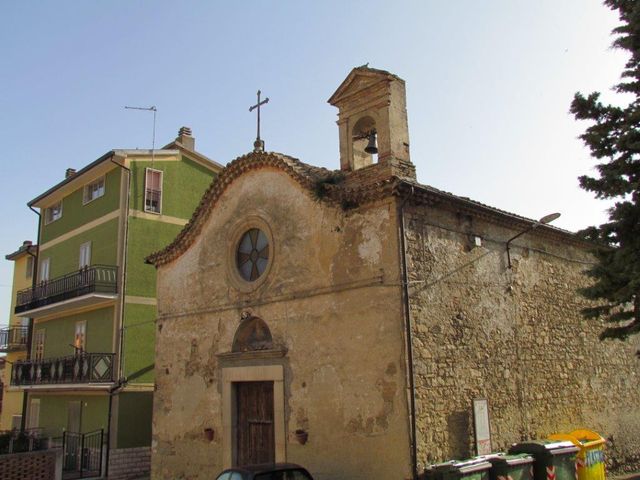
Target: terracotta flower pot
x=302, y=436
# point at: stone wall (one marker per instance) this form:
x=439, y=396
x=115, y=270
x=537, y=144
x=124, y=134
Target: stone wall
x=513, y=336
x=331, y=299
x=129, y=463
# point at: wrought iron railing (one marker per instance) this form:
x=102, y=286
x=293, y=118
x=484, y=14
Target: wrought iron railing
x=82, y=454
x=13, y=338
x=81, y=368
x=96, y=278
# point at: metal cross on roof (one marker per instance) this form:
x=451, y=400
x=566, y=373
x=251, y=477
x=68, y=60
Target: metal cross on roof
x=258, y=145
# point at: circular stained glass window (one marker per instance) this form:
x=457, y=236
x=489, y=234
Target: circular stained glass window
x=252, y=256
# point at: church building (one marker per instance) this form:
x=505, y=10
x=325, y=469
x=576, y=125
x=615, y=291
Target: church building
x=349, y=320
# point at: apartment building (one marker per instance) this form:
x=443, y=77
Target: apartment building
x=91, y=312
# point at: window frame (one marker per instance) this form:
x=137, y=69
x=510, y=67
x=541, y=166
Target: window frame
x=87, y=189
x=83, y=343
x=33, y=421
x=48, y=216
x=85, y=250
x=41, y=270
x=148, y=170
x=16, y=421
x=39, y=337
x=31, y=261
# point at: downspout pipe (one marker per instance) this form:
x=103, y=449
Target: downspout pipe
x=34, y=281
x=109, y=415
x=409, y=335
x=124, y=267
x=119, y=380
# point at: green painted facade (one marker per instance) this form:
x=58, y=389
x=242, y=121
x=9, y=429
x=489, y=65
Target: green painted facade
x=139, y=342
x=184, y=183
x=54, y=411
x=145, y=237
x=134, y=409
x=64, y=257
x=60, y=333
x=75, y=214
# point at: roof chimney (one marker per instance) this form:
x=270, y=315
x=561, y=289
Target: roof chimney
x=185, y=138
x=70, y=172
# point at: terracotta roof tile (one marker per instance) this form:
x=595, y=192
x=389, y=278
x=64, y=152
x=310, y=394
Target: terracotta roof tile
x=326, y=185
x=306, y=175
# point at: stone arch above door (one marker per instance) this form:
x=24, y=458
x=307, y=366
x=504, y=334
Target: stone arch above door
x=253, y=334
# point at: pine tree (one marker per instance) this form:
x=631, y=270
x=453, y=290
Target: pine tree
x=614, y=140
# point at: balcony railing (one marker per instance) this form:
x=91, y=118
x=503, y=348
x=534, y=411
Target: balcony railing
x=13, y=339
x=81, y=368
x=93, y=279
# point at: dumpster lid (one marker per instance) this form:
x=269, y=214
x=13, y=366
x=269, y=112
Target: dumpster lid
x=559, y=448
x=511, y=460
x=580, y=438
x=472, y=465
x=462, y=466
x=538, y=447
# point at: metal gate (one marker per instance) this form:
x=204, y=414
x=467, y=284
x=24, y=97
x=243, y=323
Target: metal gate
x=82, y=454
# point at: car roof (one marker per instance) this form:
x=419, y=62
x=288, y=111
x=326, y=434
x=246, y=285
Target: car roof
x=264, y=467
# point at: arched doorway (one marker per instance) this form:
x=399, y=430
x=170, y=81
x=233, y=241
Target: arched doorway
x=253, y=397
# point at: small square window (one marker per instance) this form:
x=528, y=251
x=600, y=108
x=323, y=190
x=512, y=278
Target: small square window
x=93, y=190
x=53, y=213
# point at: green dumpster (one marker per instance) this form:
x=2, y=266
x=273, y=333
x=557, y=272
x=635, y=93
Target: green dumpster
x=553, y=460
x=511, y=467
x=473, y=469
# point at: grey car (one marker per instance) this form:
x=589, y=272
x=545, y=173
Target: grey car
x=270, y=471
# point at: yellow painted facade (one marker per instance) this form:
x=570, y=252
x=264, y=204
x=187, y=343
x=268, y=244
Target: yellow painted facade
x=22, y=278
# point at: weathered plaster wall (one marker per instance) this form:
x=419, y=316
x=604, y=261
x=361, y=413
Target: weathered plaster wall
x=331, y=298
x=515, y=337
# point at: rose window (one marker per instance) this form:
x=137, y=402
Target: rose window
x=252, y=256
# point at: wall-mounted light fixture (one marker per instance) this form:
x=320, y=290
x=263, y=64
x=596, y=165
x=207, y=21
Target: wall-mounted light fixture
x=543, y=221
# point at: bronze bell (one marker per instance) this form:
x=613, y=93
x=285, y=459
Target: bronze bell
x=371, y=147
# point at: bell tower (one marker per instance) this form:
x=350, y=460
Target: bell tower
x=372, y=119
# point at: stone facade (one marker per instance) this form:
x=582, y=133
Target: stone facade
x=347, y=345
x=331, y=301
x=129, y=463
x=513, y=336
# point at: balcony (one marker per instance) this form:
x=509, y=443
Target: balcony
x=88, y=286
x=13, y=339
x=83, y=368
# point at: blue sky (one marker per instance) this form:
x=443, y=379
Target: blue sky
x=489, y=85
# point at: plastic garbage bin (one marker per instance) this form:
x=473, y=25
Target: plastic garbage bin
x=473, y=469
x=553, y=460
x=510, y=467
x=590, y=458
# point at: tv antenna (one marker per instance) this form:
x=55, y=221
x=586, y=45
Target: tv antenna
x=153, y=138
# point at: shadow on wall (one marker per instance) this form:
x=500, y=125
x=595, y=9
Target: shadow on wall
x=458, y=430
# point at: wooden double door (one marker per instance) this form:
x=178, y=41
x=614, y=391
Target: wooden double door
x=255, y=434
